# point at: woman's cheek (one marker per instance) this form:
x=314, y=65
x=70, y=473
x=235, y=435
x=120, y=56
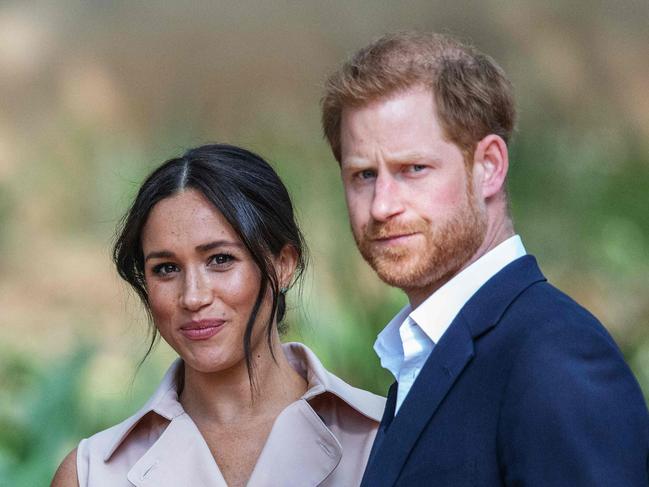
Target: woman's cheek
x=161, y=302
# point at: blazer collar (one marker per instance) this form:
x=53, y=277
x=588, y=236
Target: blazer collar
x=486, y=307
x=299, y=447
x=180, y=457
x=320, y=380
x=164, y=400
x=397, y=436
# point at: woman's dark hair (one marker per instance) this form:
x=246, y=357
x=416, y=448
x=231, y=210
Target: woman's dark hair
x=251, y=197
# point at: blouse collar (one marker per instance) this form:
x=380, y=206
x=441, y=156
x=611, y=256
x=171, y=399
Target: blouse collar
x=165, y=403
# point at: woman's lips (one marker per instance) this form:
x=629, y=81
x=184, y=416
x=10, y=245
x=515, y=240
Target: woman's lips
x=201, y=330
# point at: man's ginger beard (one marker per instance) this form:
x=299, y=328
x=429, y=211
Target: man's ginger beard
x=448, y=245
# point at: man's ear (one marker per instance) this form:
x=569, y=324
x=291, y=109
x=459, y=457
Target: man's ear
x=490, y=165
x=285, y=265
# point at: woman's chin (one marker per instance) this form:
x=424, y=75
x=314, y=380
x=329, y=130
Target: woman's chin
x=212, y=363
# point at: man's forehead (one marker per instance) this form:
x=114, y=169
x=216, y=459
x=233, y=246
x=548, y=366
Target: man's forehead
x=396, y=103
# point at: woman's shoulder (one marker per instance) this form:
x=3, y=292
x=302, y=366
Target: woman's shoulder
x=94, y=450
x=321, y=381
x=106, y=457
x=134, y=435
x=66, y=474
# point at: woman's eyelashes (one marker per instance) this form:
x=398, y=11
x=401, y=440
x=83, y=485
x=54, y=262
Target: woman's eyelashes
x=221, y=260
x=164, y=269
x=218, y=262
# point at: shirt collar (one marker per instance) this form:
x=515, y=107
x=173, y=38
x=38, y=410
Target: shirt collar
x=165, y=403
x=437, y=312
x=388, y=344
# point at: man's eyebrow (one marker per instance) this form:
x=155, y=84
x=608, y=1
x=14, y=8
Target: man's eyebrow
x=399, y=158
x=406, y=157
x=351, y=162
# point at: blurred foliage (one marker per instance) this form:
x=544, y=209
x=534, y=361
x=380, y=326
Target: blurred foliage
x=50, y=413
x=96, y=94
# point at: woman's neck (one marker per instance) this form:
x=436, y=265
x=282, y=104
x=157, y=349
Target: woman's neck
x=228, y=397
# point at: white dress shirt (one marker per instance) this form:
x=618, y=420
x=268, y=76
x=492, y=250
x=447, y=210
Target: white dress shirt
x=406, y=342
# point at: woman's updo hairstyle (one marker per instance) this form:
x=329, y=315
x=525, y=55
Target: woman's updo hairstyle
x=251, y=197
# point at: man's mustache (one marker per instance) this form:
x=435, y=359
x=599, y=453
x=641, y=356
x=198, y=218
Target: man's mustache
x=382, y=230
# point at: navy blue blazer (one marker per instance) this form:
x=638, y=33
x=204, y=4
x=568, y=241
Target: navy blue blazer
x=525, y=388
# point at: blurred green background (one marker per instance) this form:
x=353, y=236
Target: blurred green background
x=95, y=94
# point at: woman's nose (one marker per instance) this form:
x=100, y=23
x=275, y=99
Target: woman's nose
x=196, y=291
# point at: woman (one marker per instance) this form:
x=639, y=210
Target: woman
x=211, y=247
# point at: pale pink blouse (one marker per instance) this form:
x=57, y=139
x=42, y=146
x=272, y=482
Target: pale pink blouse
x=322, y=439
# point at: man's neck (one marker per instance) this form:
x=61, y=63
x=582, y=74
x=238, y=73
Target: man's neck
x=495, y=235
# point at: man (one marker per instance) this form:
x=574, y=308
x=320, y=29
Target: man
x=501, y=378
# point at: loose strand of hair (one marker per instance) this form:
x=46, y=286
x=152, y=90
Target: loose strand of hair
x=248, y=335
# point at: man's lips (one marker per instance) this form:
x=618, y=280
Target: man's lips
x=393, y=239
x=201, y=330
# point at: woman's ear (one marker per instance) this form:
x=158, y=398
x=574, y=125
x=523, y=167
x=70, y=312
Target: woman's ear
x=490, y=166
x=285, y=265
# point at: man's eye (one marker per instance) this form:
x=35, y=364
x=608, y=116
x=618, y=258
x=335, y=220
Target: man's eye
x=164, y=269
x=366, y=174
x=416, y=167
x=221, y=259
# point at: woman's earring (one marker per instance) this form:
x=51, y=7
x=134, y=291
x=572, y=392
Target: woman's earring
x=282, y=290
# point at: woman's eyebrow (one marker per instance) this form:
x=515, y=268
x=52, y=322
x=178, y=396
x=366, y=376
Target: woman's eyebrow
x=217, y=243
x=167, y=254
x=161, y=254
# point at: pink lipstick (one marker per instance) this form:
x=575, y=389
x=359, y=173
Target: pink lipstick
x=201, y=330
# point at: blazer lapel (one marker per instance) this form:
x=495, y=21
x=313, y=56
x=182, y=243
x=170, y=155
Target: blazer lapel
x=180, y=458
x=388, y=416
x=446, y=362
x=300, y=450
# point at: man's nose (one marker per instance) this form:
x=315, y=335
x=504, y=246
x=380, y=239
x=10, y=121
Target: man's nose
x=196, y=291
x=387, y=201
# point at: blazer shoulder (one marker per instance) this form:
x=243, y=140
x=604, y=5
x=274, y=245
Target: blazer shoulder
x=569, y=389
x=559, y=350
x=542, y=309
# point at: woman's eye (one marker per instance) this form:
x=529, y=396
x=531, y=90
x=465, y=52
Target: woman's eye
x=221, y=260
x=164, y=269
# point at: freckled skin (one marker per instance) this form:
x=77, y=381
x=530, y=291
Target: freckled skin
x=197, y=287
x=187, y=281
